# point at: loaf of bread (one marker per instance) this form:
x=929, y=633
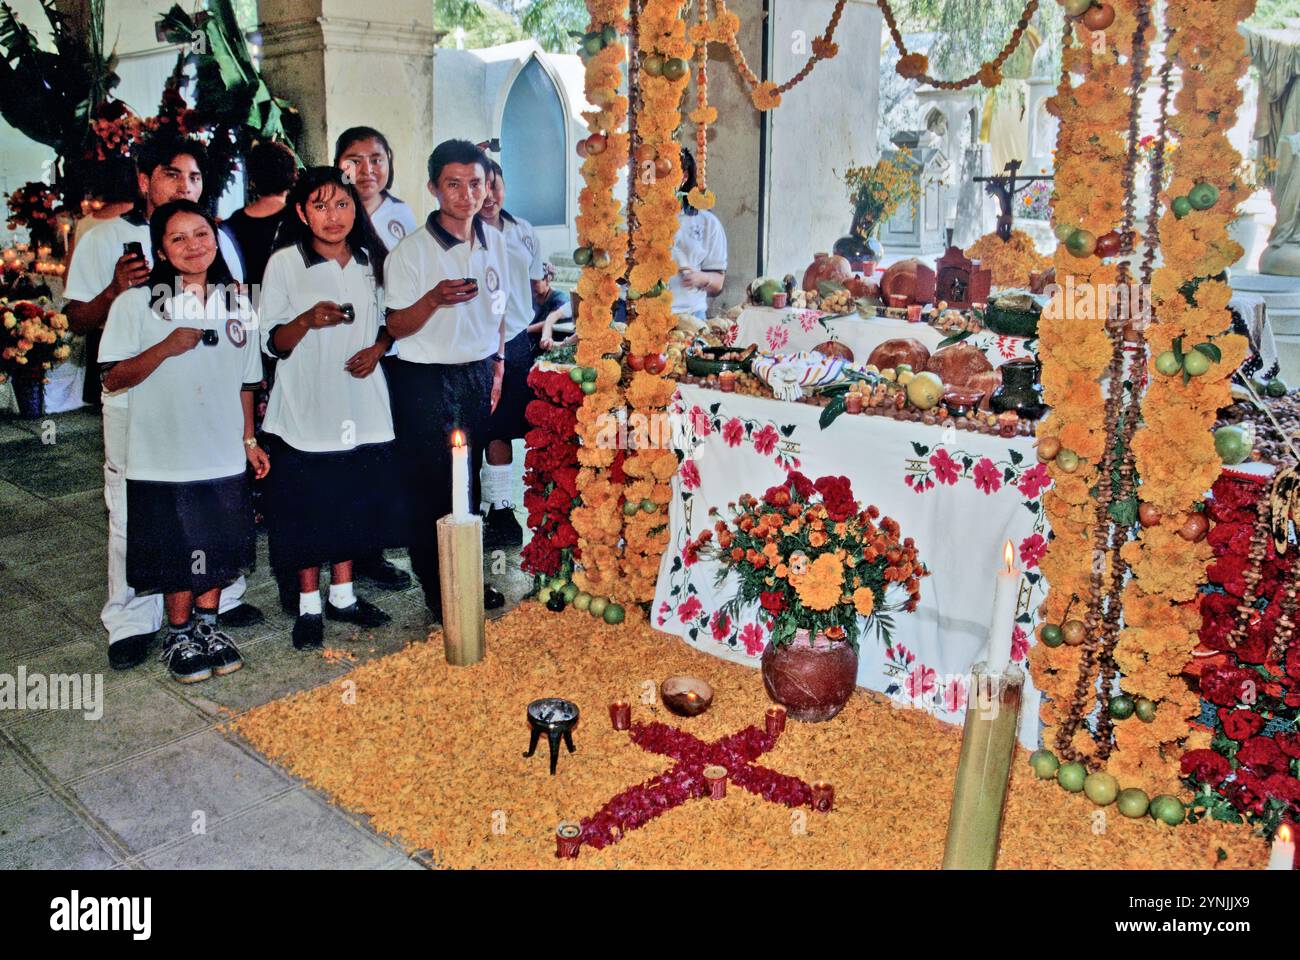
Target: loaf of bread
x=891, y=353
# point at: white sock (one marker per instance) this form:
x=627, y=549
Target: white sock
x=496, y=482
x=309, y=603
x=341, y=595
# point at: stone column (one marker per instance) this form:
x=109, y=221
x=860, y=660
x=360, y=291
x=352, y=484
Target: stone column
x=342, y=70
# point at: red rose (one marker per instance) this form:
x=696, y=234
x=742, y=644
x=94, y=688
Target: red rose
x=1240, y=724
x=1263, y=756
x=1206, y=766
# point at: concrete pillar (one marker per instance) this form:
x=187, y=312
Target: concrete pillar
x=342, y=66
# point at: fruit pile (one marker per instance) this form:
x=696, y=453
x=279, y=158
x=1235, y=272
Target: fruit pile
x=806, y=300
x=954, y=321
x=1102, y=788
x=585, y=378
x=561, y=593
x=839, y=301
x=1269, y=445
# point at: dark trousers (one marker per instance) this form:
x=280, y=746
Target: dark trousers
x=429, y=401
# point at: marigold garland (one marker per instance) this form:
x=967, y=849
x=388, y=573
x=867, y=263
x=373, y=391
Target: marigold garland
x=1009, y=262
x=916, y=66
x=766, y=94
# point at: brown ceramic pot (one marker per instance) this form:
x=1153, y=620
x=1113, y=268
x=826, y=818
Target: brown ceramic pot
x=812, y=679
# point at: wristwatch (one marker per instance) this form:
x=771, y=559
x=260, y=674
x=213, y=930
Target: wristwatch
x=250, y=442
x=498, y=358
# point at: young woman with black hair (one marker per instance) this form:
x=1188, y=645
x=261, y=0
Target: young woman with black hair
x=328, y=424
x=699, y=250
x=183, y=346
x=364, y=154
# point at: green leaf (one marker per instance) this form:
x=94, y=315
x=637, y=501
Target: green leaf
x=955, y=338
x=831, y=412
x=826, y=287
x=1210, y=350
x=1031, y=506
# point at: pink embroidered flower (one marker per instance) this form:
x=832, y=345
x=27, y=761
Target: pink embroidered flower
x=1035, y=481
x=1019, y=644
x=954, y=695
x=987, y=477
x=665, y=608
x=701, y=422
x=733, y=431
x=688, y=611
x=729, y=335
x=690, y=474
x=777, y=337
x=920, y=681
x=720, y=624
x=765, y=440
x=1032, y=549
x=807, y=320
x=946, y=469
x=751, y=635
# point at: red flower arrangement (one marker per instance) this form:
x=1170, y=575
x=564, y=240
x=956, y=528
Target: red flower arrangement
x=551, y=473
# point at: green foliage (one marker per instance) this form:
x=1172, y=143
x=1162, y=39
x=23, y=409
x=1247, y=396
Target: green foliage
x=971, y=33
x=1272, y=14
x=489, y=22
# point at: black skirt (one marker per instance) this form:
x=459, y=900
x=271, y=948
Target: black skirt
x=194, y=536
x=331, y=506
x=508, y=420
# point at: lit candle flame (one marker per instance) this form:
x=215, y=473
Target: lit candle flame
x=1008, y=554
x=458, y=440
x=1284, y=833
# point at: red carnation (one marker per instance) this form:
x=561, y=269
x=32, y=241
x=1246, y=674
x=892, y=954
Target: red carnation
x=1225, y=685
x=1263, y=756
x=1206, y=766
x=1240, y=724
x=772, y=600
x=1289, y=743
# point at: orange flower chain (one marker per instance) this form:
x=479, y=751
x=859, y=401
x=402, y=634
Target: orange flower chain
x=766, y=94
x=916, y=66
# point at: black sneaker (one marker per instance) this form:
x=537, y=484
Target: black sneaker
x=501, y=528
x=308, y=631
x=363, y=613
x=223, y=655
x=244, y=615
x=493, y=599
x=130, y=651
x=186, y=658
x=381, y=573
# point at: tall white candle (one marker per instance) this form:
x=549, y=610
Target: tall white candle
x=459, y=477
x=1282, y=856
x=1005, y=597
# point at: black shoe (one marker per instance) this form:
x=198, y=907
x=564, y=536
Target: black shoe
x=130, y=651
x=381, y=573
x=363, y=613
x=501, y=529
x=223, y=655
x=244, y=615
x=186, y=658
x=308, y=631
x=493, y=599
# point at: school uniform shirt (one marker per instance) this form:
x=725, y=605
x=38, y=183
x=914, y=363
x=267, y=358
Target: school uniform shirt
x=467, y=331
x=316, y=405
x=700, y=244
x=392, y=220
x=524, y=266
x=187, y=419
x=95, y=258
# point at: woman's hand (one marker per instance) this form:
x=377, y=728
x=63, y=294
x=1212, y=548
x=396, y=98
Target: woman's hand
x=327, y=313
x=498, y=377
x=362, y=363
x=261, y=463
x=547, y=341
x=181, y=340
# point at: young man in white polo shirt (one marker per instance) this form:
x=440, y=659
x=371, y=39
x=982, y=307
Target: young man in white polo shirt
x=169, y=169
x=445, y=291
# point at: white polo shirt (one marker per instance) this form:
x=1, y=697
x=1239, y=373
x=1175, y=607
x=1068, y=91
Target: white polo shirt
x=467, y=331
x=700, y=244
x=95, y=258
x=525, y=265
x=187, y=419
x=315, y=404
x=392, y=220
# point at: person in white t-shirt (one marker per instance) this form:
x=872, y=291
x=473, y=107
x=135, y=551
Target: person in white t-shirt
x=169, y=168
x=328, y=425
x=184, y=347
x=500, y=527
x=366, y=158
x=445, y=293
x=699, y=250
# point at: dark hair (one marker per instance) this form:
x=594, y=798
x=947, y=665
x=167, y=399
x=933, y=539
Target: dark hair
x=356, y=134
x=271, y=168
x=689, y=181
x=455, y=151
x=113, y=180
x=494, y=169
x=165, y=273
x=164, y=148
x=360, y=239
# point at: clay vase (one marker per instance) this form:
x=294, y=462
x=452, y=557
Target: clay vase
x=1020, y=391
x=811, y=678
x=862, y=250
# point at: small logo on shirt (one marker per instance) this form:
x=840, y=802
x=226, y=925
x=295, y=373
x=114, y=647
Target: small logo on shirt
x=235, y=332
x=530, y=243
x=492, y=280
x=396, y=229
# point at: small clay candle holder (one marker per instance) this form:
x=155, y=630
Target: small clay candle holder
x=898, y=300
x=686, y=696
x=727, y=381
x=1008, y=424
x=852, y=403
x=716, y=778
x=913, y=313
x=775, y=719
x=620, y=714
x=823, y=796
x=779, y=301
x=568, y=838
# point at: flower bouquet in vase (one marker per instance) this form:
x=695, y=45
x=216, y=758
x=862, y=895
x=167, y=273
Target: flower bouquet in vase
x=822, y=568
x=33, y=338
x=876, y=192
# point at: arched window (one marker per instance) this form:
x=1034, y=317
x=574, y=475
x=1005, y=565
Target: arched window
x=533, y=148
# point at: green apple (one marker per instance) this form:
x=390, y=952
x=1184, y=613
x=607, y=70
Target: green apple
x=614, y=614
x=1167, y=363
x=1076, y=8
x=1168, y=809
x=557, y=583
x=675, y=68
x=1181, y=207
x=1101, y=788
x=648, y=506
x=1196, y=363
x=1276, y=388
x=588, y=387
x=592, y=45
x=575, y=374
x=581, y=600
x=582, y=256
x=1052, y=635
x=1063, y=231
x=653, y=65
x=544, y=594
x=1082, y=243
x=630, y=507
x=1044, y=763
x=1232, y=444
x=1071, y=776
x=1068, y=460
x=1145, y=709
x=569, y=591
x=1122, y=707
x=597, y=606
x=1203, y=196
x=1133, y=803
x=589, y=374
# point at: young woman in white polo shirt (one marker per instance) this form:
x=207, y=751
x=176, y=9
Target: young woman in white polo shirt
x=699, y=250
x=185, y=347
x=328, y=425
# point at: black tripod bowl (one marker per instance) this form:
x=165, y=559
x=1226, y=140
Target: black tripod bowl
x=556, y=718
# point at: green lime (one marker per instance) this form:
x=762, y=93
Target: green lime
x=1044, y=763
x=630, y=507
x=1203, y=196
x=1167, y=363
x=1122, y=707
x=1082, y=243
x=1145, y=709
x=608, y=35
x=597, y=606
x=1071, y=776
x=1276, y=388
x=544, y=594
x=1196, y=363
x=575, y=374
x=557, y=583
x=1133, y=802
x=648, y=506
x=1052, y=635
x=569, y=591
x=675, y=68
x=582, y=256
x=1232, y=444
x=613, y=614
x=1168, y=809
x=1101, y=788
x=653, y=65
x=1181, y=207
x=1068, y=461
x=1063, y=231
x=581, y=600
x=589, y=374
x=588, y=388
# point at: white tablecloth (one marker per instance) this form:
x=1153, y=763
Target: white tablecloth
x=790, y=330
x=960, y=495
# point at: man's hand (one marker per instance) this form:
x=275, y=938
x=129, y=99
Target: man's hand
x=181, y=340
x=498, y=377
x=547, y=340
x=448, y=293
x=130, y=271
x=260, y=461
x=327, y=313
x=362, y=363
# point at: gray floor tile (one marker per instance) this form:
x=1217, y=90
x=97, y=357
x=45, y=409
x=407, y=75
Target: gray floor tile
x=15, y=782
x=35, y=627
x=272, y=669
x=41, y=834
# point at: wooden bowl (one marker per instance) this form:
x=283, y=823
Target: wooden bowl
x=686, y=696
